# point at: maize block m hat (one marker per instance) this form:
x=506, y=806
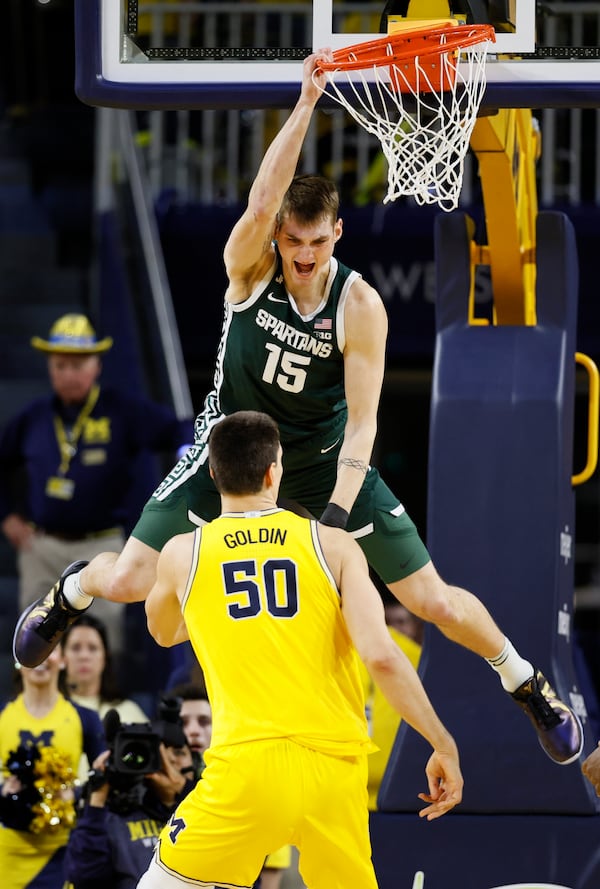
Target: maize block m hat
x=74, y=335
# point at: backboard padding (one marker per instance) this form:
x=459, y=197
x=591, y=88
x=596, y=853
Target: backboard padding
x=118, y=66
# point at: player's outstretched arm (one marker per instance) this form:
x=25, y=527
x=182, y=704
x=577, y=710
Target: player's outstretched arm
x=249, y=244
x=391, y=670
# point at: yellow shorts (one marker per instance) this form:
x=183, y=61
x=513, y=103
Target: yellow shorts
x=255, y=798
x=280, y=859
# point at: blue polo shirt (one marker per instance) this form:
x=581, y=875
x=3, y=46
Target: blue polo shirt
x=100, y=474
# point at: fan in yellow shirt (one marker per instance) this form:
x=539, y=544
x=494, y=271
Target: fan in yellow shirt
x=406, y=630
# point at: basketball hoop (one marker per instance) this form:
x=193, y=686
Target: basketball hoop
x=418, y=91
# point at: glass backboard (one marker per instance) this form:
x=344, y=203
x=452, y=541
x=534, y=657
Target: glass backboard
x=248, y=53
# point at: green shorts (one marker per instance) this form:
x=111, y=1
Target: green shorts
x=188, y=498
x=378, y=521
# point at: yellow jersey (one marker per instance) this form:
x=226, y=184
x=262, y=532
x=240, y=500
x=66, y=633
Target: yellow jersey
x=264, y=617
x=27, y=858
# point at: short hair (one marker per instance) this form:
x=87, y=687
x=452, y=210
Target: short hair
x=241, y=448
x=189, y=691
x=309, y=198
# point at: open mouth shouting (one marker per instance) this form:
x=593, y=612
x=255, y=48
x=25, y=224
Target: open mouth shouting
x=304, y=269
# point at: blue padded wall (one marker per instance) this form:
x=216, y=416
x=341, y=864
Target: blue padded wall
x=483, y=851
x=500, y=523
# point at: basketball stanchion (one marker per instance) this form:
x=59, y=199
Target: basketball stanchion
x=418, y=91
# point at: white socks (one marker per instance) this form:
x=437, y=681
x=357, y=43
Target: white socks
x=73, y=593
x=511, y=667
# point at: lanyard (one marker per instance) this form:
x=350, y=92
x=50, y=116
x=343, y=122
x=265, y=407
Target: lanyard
x=67, y=443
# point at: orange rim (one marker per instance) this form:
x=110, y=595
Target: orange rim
x=408, y=44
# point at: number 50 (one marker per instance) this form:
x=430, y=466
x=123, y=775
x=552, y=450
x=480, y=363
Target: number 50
x=279, y=588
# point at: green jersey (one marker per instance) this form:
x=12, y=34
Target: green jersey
x=273, y=359
x=290, y=366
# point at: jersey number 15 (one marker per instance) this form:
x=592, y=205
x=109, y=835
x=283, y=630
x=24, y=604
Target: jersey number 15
x=285, y=368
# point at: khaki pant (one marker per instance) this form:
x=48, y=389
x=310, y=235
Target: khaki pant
x=41, y=564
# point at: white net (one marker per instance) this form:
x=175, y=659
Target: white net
x=423, y=116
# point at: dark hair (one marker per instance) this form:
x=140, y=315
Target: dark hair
x=241, y=448
x=308, y=199
x=109, y=689
x=189, y=691
x=17, y=683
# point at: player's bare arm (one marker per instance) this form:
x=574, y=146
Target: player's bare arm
x=364, y=363
x=249, y=250
x=163, y=605
x=391, y=670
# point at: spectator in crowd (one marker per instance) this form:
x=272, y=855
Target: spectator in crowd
x=400, y=619
x=113, y=840
x=89, y=671
x=276, y=607
x=76, y=447
x=196, y=720
x=42, y=738
x=89, y=674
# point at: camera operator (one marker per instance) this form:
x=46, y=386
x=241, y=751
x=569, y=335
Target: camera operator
x=127, y=804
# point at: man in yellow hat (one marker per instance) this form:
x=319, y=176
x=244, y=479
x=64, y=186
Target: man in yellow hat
x=72, y=335
x=76, y=446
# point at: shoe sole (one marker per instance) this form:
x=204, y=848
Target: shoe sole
x=20, y=623
x=70, y=569
x=575, y=757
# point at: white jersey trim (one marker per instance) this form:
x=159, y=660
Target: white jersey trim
x=252, y=513
x=159, y=876
x=193, y=567
x=321, y=555
x=368, y=529
x=196, y=519
x=175, y=478
x=333, y=269
x=257, y=292
x=340, y=325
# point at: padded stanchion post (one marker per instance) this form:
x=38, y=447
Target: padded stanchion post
x=501, y=524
